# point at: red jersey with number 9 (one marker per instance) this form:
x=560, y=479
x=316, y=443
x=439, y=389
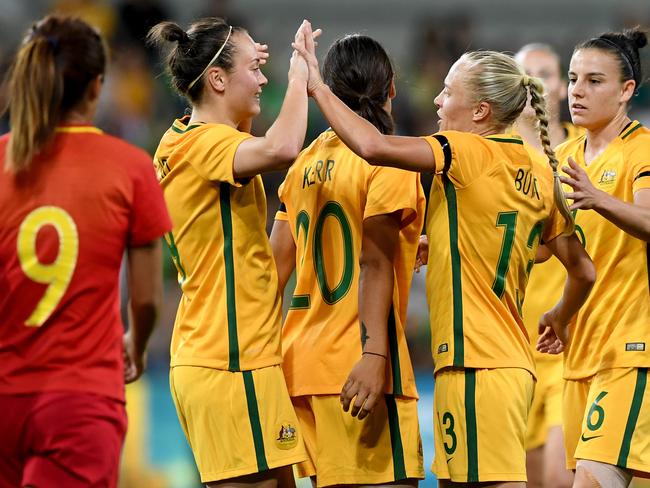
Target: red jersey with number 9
x=64, y=227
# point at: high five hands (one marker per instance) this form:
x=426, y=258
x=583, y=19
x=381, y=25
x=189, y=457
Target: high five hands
x=305, y=45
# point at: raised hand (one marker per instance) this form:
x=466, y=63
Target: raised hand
x=262, y=53
x=305, y=45
x=366, y=383
x=585, y=195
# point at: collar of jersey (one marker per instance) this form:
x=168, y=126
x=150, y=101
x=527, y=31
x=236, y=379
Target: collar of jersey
x=632, y=126
x=508, y=138
x=78, y=129
x=180, y=125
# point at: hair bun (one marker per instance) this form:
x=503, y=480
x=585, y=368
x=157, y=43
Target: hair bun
x=637, y=36
x=172, y=32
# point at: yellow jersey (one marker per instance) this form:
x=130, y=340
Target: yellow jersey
x=612, y=329
x=229, y=315
x=490, y=205
x=327, y=194
x=547, y=279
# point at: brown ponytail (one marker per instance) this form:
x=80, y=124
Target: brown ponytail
x=48, y=78
x=536, y=90
x=35, y=87
x=359, y=72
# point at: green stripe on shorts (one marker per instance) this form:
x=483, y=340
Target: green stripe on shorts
x=399, y=469
x=254, y=417
x=394, y=353
x=470, y=422
x=637, y=400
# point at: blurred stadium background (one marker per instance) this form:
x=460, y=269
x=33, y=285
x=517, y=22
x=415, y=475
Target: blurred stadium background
x=423, y=38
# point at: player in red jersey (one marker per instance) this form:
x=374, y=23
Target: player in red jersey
x=72, y=200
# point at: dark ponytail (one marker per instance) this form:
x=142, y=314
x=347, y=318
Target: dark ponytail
x=49, y=77
x=359, y=72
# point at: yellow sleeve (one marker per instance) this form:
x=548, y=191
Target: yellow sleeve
x=211, y=151
x=554, y=226
x=390, y=190
x=460, y=155
x=639, y=164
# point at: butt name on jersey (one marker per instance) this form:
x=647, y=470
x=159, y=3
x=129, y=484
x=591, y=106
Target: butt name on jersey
x=526, y=183
x=318, y=173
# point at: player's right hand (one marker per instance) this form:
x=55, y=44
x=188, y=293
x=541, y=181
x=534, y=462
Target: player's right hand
x=365, y=385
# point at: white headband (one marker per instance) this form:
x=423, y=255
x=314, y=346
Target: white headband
x=211, y=61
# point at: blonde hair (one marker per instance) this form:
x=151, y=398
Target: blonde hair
x=499, y=80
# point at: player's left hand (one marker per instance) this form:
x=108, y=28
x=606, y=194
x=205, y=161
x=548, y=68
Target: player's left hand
x=585, y=195
x=262, y=53
x=553, y=336
x=366, y=383
x=134, y=363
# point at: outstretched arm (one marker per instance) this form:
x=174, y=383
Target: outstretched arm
x=411, y=153
x=278, y=148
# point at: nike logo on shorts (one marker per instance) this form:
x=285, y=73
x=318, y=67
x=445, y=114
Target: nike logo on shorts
x=585, y=439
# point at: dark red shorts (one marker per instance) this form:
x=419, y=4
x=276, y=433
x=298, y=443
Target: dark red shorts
x=60, y=440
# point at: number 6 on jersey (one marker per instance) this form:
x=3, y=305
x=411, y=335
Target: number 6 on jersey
x=56, y=274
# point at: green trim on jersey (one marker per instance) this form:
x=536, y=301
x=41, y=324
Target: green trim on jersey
x=506, y=139
x=638, y=126
x=457, y=286
x=187, y=129
x=226, y=224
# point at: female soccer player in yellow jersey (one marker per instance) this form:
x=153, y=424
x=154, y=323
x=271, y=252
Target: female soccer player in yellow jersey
x=489, y=207
x=606, y=397
x=545, y=458
x=351, y=231
x=225, y=377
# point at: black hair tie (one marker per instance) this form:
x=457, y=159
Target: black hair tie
x=53, y=42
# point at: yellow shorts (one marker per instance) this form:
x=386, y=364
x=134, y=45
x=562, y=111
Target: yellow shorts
x=382, y=448
x=236, y=423
x=546, y=411
x=479, y=418
x=607, y=419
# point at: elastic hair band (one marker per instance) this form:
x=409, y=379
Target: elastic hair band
x=618, y=48
x=53, y=42
x=214, y=58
